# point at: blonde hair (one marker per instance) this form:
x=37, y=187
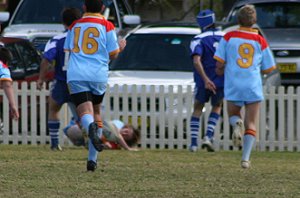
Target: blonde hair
x=247, y=16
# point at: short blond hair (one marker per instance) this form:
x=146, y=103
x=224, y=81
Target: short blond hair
x=247, y=15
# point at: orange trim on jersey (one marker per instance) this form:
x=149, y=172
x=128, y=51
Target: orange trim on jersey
x=249, y=35
x=269, y=70
x=6, y=79
x=114, y=52
x=219, y=59
x=250, y=132
x=94, y=18
x=99, y=123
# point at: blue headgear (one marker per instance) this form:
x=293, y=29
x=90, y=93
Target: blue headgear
x=107, y=3
x=206, y=18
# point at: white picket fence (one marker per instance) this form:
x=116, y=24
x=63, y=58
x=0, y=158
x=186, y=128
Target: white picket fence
x=162, y=114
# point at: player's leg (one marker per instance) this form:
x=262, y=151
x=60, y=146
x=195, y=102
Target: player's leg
x=93, y=154
x=216, y=102
x=199, y=101
x=57, y=98
x=251, y=112
x=235, y=120
x=95, y=144
x=82, y=97
x=74, y=120
x=54, y=123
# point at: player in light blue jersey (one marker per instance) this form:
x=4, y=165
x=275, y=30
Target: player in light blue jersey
x=59, y=94
x=244, y=54
x=91, y=42
x=6, y=81
x=209, y=85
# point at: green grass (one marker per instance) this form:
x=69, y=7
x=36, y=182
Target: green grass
x=35, y=171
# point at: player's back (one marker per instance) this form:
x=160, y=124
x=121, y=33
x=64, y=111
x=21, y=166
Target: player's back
x=244, y=53
x=90, y=41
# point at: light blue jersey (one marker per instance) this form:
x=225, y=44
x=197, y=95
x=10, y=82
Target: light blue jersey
x=118, y=123
x=90, y=41
x=245, y=54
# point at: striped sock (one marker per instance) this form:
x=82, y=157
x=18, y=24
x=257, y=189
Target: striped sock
x=53, y=126
x=211, y=124
x=249, y=139
x=194, y=125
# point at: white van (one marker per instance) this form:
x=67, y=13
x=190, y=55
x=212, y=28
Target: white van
x=40, y=20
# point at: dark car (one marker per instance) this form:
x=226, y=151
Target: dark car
x=280, y=22
x=26, y=59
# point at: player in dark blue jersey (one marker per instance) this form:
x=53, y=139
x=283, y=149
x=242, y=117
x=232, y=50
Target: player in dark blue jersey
x=209, y=86
x=54, y=52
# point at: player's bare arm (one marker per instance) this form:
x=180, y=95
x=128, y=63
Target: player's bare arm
x=199, y=67
x=8, y=89
x=45, y=64
x=220, y=68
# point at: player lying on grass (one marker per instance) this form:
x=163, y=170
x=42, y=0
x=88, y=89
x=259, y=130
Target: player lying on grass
x=116, y=135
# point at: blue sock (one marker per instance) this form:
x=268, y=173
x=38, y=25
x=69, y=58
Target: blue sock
x=71, y=123
x=86, y=120
x=53, y=126
x=211, y=124
x=194, y=125
x=93, y=153
x=247, y=147
x=233, y=120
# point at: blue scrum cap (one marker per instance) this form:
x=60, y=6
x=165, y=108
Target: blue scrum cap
x=206, y=18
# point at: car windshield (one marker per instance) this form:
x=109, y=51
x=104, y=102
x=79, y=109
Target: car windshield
x=159, y=52
x=44, y=11
x=275, y=15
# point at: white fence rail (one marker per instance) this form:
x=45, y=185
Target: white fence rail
x=162, y=113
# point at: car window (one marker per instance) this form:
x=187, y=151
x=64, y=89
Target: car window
x=43, y=11
x=159, y=52
x=29, y=55
x=16, y=64
x=275, y=15
x=25, y=57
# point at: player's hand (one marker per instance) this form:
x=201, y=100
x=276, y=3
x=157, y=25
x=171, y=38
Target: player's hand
x=122, y=44
x=210, y=86
x=133, y=149
x=39, y=84
x=14, y=113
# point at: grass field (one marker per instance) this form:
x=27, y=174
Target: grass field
x=35, y=171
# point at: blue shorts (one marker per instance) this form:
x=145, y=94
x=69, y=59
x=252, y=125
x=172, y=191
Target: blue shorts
x=242, y=103
x=95, y=88
x=59, y=92
x=203, y=95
